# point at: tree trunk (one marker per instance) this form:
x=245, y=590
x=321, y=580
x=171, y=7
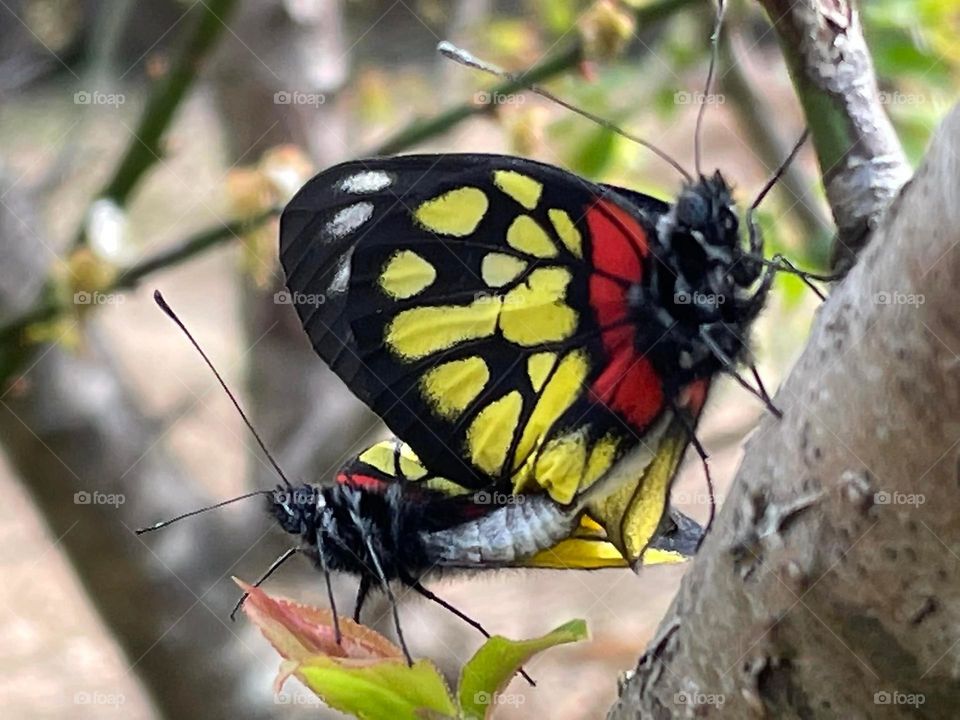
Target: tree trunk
x=829, y=587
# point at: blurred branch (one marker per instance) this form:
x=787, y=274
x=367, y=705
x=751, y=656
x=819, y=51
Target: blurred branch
x=51, y=305
x=557, y=63
x=144, y=149
x=862, y=163
x=795, y=185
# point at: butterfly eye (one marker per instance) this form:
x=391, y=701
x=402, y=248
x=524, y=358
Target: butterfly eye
x=691, y=210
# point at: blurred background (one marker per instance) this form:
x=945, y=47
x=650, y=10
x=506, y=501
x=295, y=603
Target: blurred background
x=144, y=144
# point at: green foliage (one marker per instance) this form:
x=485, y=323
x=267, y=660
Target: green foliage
x=487, y=673
x=365, y=675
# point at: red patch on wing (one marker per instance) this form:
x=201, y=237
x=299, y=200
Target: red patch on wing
x=367, y=482
x=628, y=384
x=618, y=243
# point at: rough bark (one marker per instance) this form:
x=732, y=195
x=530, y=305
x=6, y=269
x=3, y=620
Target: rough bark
x=862, y=163
x=829, y=587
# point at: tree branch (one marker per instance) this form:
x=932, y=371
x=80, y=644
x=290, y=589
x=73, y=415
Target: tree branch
x=144, y=149
x=829, y=584
x=862, y=163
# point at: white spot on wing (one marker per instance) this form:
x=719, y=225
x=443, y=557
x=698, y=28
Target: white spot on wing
x=341, y=278
x=365, y=182
x=349, y=219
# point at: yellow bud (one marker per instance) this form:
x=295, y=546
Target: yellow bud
x=249, y=193
x=525, y=131
x=605, y=29
x=286, y=168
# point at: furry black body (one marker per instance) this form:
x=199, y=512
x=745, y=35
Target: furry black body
x=700, y=294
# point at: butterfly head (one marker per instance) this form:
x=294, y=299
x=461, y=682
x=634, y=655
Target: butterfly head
x=703, y=247
x=295, y=509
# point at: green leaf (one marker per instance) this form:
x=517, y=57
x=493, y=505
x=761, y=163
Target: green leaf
x=592, y=157
x=497, y=661
x=387, y=689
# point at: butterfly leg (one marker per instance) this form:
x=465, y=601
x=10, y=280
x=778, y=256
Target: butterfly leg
x=684, y=418
x=418, y=587
x=385, y=585
x=270, y=570
x=730, y=368
x=362, y=592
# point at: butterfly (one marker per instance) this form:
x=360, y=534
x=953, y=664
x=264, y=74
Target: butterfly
x=522, y=329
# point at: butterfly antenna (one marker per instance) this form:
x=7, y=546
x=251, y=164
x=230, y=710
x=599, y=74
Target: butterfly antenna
x=779, y=262
x=708, y=87
x=462, y=57
x=164, y=523
x=158, y=298
x=778, y=173
x=270, y=570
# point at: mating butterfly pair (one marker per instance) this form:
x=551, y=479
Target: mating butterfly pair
x=542, y=344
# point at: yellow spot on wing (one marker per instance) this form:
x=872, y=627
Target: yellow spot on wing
x=497, y=269
x=636, y=489
x=410, y=466
x=602, y=455
x=457, y=212
x=567, y=231
x=380, y=456
x=559, y=465
x=535, y=312
x=452, y=386
x=528, y=237
x=422, y=331
x=563, y=388
x=525, y=190
x=539, y=366
x=406, y=274
x=491, y=432
x=447, y=487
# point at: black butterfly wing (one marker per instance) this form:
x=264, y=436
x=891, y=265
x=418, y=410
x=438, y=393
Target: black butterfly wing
x=477, y=303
